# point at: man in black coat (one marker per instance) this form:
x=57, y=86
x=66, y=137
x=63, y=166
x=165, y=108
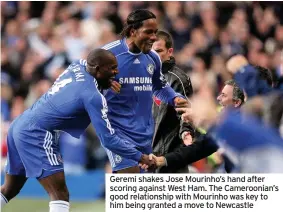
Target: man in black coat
x=170, y=132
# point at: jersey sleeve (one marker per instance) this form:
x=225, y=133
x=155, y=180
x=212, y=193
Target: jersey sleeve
x=96, y=107
x=160, y=86
x=248, y=80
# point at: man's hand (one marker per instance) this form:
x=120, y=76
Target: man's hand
x=187, y=114
x=159, y=161
x=187, y=138
x=180, y=102
x=235, y=63
x=147, y=163
x=203, y=111
x=115, y=86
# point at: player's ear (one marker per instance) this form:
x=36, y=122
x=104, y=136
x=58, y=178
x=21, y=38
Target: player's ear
x=133, y=32
x=170, y=51
x=97, y=69
x=94, y=69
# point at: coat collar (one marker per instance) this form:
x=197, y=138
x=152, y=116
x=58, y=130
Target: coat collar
x=168, y=65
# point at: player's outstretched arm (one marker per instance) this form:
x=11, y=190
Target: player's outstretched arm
x=96, y=106
x=246, y=76
x=235, y=63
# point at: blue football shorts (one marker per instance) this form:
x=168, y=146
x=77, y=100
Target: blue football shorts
x=118, y=163
x=32, y=151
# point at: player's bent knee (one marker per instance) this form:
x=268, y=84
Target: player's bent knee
x=12, y=186
x=9, y=191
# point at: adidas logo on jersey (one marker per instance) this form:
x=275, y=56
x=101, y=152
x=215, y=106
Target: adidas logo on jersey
x=136, y=61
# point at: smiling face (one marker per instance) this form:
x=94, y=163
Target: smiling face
x=226, y=97
x=145, y=36
x=104, y=70
x=107, y=71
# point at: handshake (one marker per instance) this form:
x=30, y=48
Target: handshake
x=151, y=162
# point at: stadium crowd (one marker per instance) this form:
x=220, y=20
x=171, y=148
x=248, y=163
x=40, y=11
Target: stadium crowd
x=40, y=39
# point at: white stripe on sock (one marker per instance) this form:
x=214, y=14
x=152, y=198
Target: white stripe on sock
x=4, y=201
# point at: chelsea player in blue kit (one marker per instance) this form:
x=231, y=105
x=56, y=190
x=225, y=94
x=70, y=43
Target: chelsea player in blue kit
x=130, y=111
x=70, y=105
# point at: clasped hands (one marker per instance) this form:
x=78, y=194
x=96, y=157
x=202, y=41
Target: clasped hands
x=151, y=162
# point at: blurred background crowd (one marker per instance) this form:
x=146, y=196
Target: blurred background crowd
x=40, y=39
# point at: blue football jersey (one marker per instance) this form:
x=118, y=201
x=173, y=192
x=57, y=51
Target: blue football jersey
x=140, y=77
x=248, y=79
x=249, y=144
x=72, y=103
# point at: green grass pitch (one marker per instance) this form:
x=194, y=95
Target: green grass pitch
x=41, y=205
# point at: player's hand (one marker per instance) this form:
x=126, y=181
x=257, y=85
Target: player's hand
x=115, y=86
x=147, y=163
x=187, y=138
x=187, y=114
x=235, y=63
x=181, y=103
x=204, y=111
x=181, y=110
x=159, y=161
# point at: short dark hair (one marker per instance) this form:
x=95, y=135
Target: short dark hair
x=238, y=93
x=166, y=37
x=135, y=20
x=98, y=56
x=265, y=74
